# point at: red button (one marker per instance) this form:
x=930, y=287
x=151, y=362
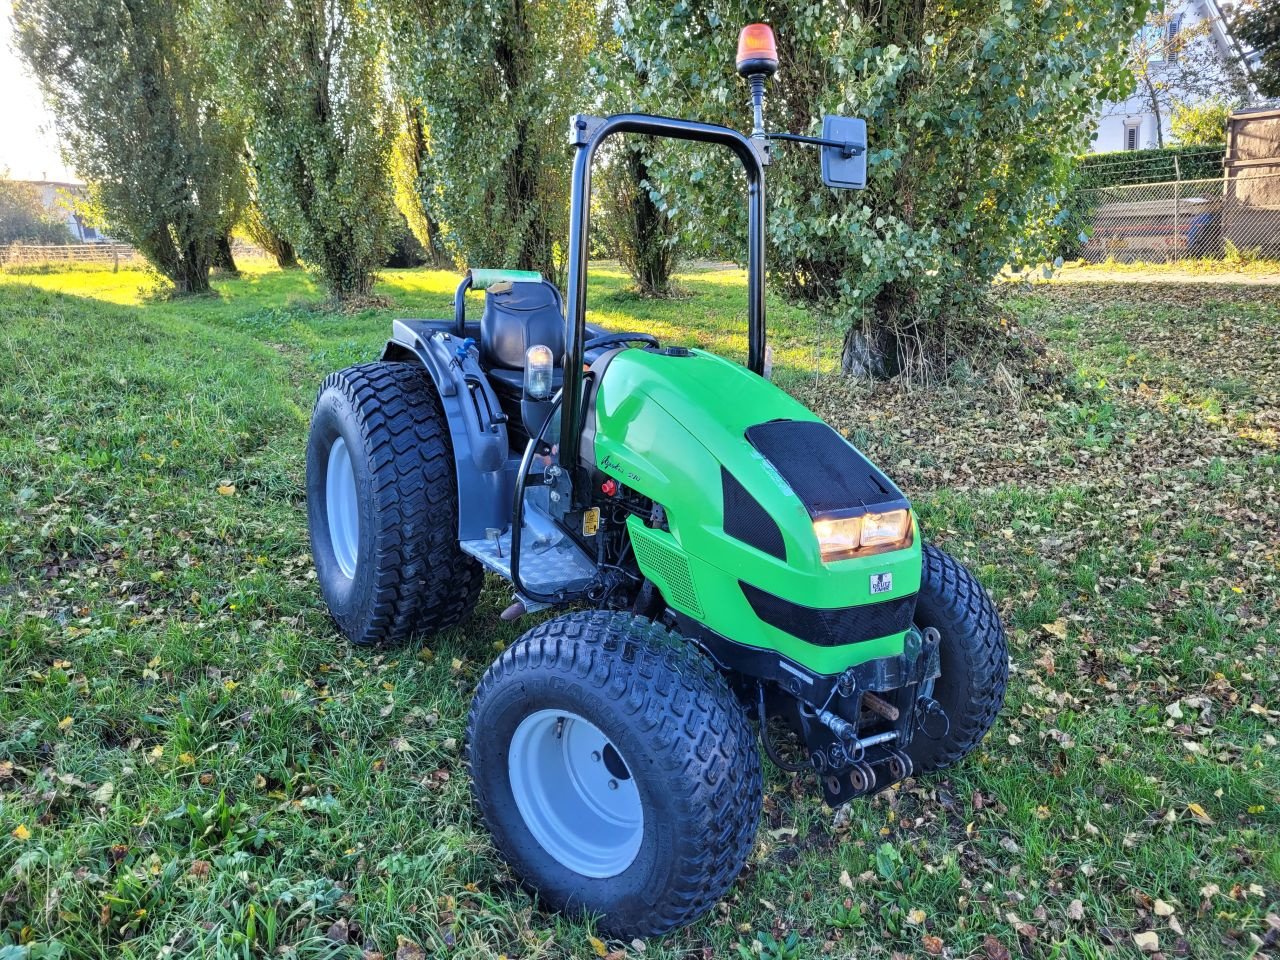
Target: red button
x=609, y=487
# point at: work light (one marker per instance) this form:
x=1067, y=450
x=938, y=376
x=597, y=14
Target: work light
x=539, y=363
x=864, y=535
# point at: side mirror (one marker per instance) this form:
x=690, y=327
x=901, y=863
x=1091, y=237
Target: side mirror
x=844, y=167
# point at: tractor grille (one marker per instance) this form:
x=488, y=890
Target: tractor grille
x=833, y=627
x=667, y=566
x=746, y=520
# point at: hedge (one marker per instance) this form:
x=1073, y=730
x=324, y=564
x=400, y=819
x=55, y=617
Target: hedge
x=1148, y=166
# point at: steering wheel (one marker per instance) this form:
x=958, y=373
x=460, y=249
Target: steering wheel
x=607, y=339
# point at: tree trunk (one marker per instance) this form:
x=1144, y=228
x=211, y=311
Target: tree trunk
x=190, y=275
x=222, y=257
x=871, y=348
x=286, y=256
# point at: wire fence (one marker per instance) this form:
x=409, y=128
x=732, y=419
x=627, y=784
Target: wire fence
x=1183, y=219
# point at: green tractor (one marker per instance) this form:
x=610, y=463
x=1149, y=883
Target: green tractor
x=725, y=567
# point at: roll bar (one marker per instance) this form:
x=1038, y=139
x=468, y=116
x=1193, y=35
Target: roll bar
x=587, y=133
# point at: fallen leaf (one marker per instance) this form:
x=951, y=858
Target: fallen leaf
x=1199, y=813
x=932, y=945
x=1147, y=941
x=994, y=949
x=598, y=946
x=846, y=880
x=65, y=724
x=1162, y=909
x=104, y=793
x=406, y=949
x=1075, y=910
x=1056, y=629
x=226, y=490
x=916, y=917
x=21, y=832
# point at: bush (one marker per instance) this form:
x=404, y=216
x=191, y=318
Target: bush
x=1200, y=124
x=1147, y=166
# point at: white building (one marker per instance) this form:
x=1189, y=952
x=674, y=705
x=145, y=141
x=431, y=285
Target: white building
x=1184, y=52
x=58, y=197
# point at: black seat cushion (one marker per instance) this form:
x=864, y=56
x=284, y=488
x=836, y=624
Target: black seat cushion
x=516, y=317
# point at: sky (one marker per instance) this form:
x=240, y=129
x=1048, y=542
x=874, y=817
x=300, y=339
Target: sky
x=28, y=148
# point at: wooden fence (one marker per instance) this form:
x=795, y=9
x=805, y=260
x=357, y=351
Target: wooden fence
x=112, y=255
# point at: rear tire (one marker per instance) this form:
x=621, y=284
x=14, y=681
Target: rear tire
x=661, y=842
x=382, y=506
x=973, y=654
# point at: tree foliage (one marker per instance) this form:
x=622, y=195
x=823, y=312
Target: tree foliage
x=637, y=230
x=972, y=111
x=409, y=173
x=23, y=216
x=309, y=74
x=262, y=230
x=132, y=92
x=498, y=81
x=1201, y=124
x=1257, y=24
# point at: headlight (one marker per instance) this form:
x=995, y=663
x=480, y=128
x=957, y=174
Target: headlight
x=862, y=536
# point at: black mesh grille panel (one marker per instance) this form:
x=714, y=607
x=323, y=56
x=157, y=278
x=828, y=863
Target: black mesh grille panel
x=832, y=627
x=746, y=520
x=826, y=473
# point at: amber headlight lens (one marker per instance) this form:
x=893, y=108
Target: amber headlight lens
x=862, y=536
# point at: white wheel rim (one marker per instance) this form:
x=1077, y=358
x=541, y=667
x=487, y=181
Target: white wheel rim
x=576, y=793
x=342, y=507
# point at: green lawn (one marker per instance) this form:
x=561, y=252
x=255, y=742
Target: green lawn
x=192, y=760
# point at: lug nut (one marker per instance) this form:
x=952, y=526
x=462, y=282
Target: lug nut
x=613, y=784
x=595, y=755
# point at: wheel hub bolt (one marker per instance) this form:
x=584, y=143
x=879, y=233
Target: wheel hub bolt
x=613, y=784
x=595, y=755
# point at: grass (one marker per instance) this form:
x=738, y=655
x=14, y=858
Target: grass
x=193, y=763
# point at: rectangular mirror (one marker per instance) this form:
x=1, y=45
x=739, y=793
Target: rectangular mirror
x=838, y=170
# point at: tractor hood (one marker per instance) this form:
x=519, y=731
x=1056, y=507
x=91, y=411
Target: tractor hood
x=743, y=471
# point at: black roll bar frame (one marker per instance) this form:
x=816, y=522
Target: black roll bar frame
x=587, y=133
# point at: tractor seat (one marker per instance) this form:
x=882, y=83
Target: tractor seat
x=516, y=317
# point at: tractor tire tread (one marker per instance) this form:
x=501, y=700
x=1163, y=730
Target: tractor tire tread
x=983, y=651
x=424, y=582
x=670, y=690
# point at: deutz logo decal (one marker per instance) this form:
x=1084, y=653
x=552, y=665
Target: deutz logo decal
x=881, y=582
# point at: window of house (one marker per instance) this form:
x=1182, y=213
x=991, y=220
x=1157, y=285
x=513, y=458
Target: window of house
x=1171, y=38
x=1153, y=42
x=1132, y=131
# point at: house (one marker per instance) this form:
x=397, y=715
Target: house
x=59, y=197
x=1185, y=53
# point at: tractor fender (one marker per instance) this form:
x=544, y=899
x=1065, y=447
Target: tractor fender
x=477, y=425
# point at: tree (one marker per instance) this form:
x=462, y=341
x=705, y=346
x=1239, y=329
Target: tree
x=1175, y=60
x=1201, y=124
x=23, y=217
x=973, y=110
x=498, y=81
x=1257, y=24
x=410, y=166
x=309, y=75
x=132, y=93
x=261, y=230
x=639, y=232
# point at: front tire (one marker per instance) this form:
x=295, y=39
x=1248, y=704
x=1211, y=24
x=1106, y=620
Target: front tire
x=973, y=655
x=616, y=771
x=382, y=506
